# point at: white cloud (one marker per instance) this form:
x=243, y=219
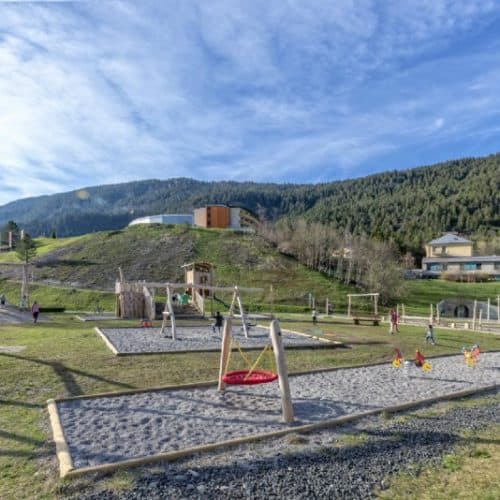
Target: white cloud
x=94, y=92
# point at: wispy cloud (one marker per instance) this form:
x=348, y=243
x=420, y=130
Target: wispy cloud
x=99, y=92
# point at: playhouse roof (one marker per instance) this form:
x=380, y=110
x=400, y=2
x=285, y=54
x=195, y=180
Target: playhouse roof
x=449, y=239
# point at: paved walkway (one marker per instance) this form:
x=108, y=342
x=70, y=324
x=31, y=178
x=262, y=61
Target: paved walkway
x=12, y=315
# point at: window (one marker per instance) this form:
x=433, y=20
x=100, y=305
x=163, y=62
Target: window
x=434, y=267
x=471, y=266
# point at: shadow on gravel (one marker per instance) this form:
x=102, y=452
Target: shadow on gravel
x=336, y=470
x=468, y=382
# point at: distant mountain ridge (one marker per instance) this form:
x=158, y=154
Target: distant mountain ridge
x=408, y=206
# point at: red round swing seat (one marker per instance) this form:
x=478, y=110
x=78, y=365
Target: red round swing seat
x=244, y=377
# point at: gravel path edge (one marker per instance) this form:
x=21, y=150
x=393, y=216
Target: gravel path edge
x=68, y=471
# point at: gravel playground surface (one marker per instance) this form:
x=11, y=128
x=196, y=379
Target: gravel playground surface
x=197, y=338
x=324, y=465
x=116, y=428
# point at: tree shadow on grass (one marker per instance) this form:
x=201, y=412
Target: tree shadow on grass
x=20, y=440
x=366, y=342
x=67, y=375
x=11, y=402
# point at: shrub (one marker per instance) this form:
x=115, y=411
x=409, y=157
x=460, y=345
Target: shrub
x=471, y=277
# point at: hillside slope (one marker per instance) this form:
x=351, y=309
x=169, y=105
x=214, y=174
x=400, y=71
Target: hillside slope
x=156, y=253
x=408, y=206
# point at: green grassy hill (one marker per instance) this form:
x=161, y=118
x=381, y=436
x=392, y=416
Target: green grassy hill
x=156, y=253
x=72, y=266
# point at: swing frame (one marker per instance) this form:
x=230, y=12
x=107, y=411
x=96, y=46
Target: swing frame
x=282, y=369
x=252, y=375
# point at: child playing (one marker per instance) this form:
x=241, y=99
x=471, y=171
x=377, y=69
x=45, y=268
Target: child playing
x=394, y=322
x=429, y=336
x=219, y=321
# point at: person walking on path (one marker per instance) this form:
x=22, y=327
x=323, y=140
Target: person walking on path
x=394, y=322
x=429, y=336
x=314, y=316
x=35, y=311
x=219, y=320
x=2, y=299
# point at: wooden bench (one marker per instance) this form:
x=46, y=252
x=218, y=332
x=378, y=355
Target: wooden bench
x=368, y=319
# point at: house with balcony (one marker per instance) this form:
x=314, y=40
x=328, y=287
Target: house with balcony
x=453, y=254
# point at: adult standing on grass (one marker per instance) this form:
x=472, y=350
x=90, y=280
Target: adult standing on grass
x=35, y=311
x=314, y=315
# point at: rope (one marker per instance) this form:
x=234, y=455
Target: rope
x=256, y=362
x=251, y=366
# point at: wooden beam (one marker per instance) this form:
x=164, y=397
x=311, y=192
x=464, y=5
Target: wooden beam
x=225, y=351
x=174, y=286
x=279, y=353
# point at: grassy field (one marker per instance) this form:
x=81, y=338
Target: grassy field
x=66, y=358
x=56, y=296
x=421, y=293
x=43, y=246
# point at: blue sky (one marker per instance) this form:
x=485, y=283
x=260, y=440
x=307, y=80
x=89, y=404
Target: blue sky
x=98, y=92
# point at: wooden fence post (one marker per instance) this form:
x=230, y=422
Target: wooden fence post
x=279, y=353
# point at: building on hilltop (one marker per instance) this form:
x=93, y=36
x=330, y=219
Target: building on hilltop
x=454, y=255
x=209, y=216
x=218, y=216
x=164, y=219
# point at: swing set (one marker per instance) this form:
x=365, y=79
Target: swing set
x=252, y=375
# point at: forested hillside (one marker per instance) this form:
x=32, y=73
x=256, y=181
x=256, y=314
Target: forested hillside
x=413, y=206
x=408, y=206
